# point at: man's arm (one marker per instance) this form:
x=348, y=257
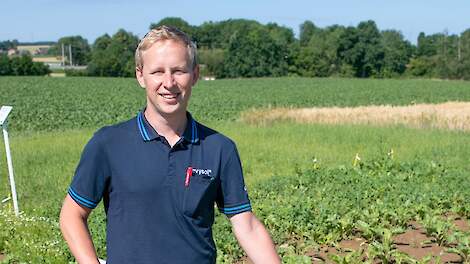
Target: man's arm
x=74, y=227
x=254, y=238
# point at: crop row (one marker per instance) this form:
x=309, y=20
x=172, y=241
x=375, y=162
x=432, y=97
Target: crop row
x=50, y=103
x=372, y=200
x=319, y=206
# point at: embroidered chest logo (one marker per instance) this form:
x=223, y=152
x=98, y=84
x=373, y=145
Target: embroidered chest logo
x=202, y=172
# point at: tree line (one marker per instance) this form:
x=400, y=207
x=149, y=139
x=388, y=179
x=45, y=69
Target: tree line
x=246, y=48
x=21, y=65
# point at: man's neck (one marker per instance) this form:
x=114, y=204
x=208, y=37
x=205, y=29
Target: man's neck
x=171, y=127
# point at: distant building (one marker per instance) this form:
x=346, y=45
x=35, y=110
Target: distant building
x=52, y=62
x=33, y=49
x=12, y=52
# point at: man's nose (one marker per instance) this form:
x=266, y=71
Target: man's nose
x=168, y=80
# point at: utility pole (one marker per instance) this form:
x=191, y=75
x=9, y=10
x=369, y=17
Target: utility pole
x=63, y=55
x=70, y=54
x=459, y=51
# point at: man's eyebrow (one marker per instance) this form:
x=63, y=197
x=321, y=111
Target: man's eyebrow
x=180, y=67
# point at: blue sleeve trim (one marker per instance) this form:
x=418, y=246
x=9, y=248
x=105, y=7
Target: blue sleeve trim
x=236, y=209
x=81, y=200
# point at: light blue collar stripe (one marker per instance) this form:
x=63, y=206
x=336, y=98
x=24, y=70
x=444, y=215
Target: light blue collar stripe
x=235, y=208
x=143, y=127
x=82, y=199
x=139, y=125
x=143, y=131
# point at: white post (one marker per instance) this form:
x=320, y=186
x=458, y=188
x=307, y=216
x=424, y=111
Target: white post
x=10, y=170
x=70, y=55
x=63, y=56
x=4, y=111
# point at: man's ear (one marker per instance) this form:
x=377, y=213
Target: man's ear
x=195, y=74
x=140, y=77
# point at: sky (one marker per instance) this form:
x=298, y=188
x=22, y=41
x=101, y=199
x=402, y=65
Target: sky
x=49, y=20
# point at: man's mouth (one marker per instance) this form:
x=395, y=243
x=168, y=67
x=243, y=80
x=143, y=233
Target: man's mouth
x=169, y=95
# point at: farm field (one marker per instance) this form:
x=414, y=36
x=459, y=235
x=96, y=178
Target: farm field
x=51, y=104
x=316, y=186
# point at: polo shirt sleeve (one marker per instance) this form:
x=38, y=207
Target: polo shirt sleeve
x=232, y=197
x=89, y=181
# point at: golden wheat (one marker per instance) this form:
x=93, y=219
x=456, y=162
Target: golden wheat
x=450, y=115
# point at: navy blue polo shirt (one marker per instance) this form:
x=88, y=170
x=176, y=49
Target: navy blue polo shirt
x=159, y=200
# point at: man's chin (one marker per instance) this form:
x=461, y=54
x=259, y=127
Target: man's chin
x=171, y=112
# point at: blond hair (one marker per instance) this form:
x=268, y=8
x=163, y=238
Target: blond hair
x=163, y=33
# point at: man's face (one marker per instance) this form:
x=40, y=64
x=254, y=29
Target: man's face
x=167, y=76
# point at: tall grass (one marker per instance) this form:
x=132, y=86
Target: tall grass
x=281, y=148
x=44, y=162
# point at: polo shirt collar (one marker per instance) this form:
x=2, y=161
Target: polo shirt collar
x=190, y=134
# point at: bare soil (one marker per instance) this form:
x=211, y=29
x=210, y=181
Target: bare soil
x=413, y=242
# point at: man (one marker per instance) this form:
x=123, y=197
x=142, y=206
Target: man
x=160, y=173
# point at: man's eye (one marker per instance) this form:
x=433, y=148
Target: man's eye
x=157, y=72
x=179, y=71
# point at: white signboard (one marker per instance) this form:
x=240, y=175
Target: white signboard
x=4, y=112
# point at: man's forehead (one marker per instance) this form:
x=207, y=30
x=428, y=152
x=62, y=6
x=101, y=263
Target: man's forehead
x=166, y=50
x=166, y=42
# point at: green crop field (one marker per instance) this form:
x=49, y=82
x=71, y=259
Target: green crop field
x=304, y=180
x=50, y=104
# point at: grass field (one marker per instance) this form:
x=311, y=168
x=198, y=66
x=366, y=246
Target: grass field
x=302, y=177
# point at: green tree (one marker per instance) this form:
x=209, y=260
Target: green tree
x=307, y=30
x=427, y=45
x=114, y=56
x=282, y=35
x=254, y=54
x=175, y=22
x=361, y=48
x=5, y=67
x=211, y=60
x=464, y=55
x=8, y=44
x=208, y=35
x=319, y=57
x=397, y=53
x=24, y=65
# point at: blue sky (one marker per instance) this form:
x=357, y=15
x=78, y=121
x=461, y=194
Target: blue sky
x=48, y=20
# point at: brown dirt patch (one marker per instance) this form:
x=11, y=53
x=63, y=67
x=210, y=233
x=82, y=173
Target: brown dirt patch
x=411, y=238
x=2, y=257
x=413, y=242
x=244, y=260
x=437, y=252
x=353, y=244
x=450, y=115
x=462, y=225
